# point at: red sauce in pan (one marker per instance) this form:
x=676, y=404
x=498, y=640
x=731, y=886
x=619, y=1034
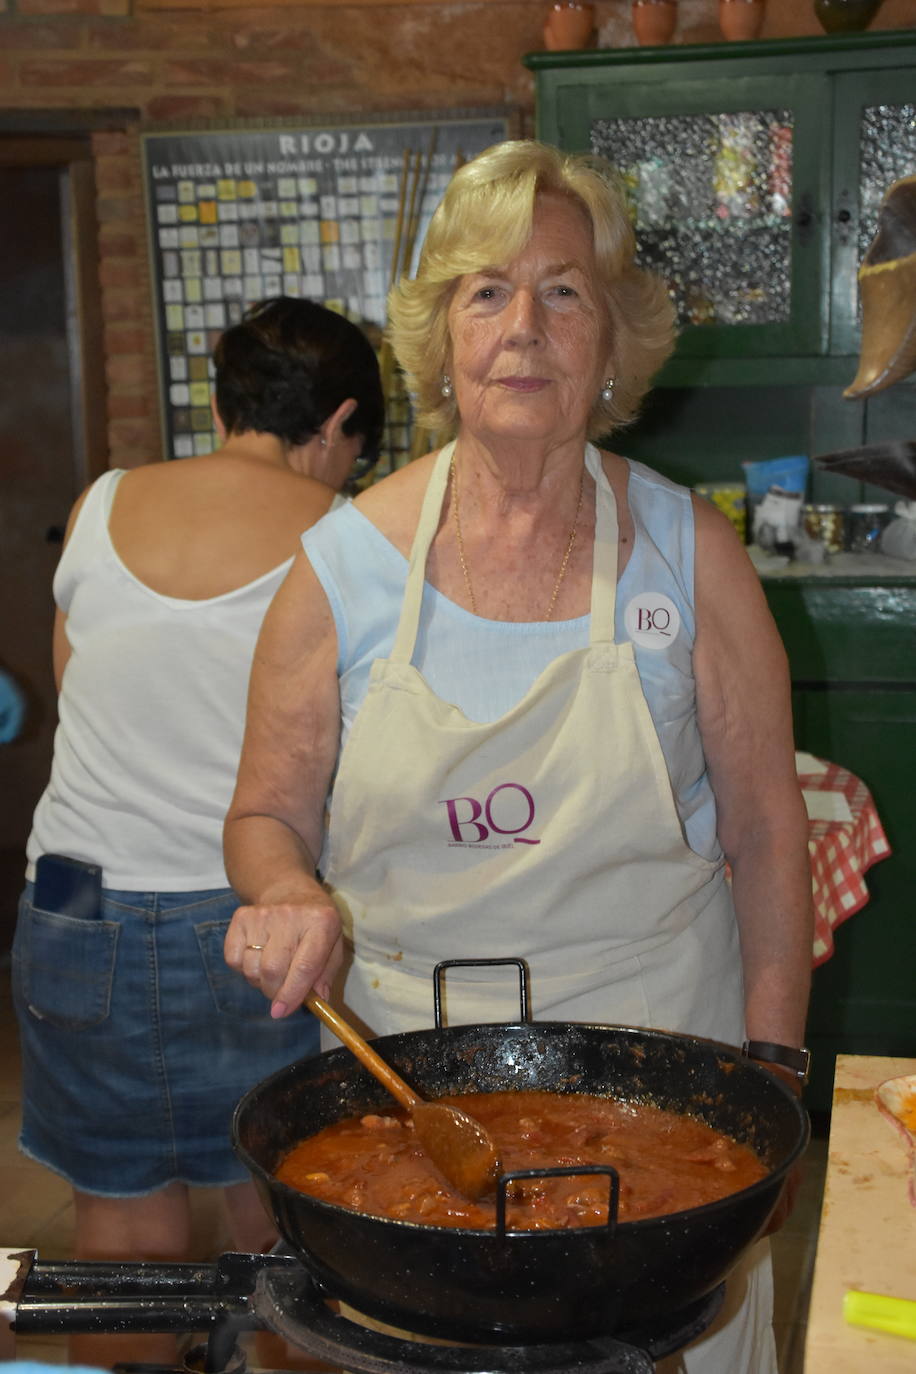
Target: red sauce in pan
x=667, y=1162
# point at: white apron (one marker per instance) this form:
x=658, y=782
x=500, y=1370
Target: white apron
x=550, y=834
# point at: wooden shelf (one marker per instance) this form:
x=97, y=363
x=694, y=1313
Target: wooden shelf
x=146, y=6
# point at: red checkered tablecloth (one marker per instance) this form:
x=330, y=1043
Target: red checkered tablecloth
x=841, y=853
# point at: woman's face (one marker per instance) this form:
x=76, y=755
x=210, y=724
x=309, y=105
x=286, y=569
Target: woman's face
x=530, y=341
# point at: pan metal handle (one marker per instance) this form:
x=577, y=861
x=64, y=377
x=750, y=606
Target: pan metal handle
x=524, y=980
x=573, y=1171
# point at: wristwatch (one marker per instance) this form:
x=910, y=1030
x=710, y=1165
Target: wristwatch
x=787, y=1057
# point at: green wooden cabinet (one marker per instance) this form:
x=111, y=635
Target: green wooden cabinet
x=755, y=171
x=852, y=653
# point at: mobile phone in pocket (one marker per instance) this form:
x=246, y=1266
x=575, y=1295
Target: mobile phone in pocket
x=68, y=887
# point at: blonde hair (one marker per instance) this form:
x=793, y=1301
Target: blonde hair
x=484, y=220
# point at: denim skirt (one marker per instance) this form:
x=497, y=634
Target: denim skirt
x=138, y=1040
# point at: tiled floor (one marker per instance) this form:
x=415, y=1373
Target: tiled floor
x=36, y=1211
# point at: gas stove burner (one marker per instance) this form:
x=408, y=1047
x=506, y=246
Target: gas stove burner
x=293, y=1306
x=243, y=1293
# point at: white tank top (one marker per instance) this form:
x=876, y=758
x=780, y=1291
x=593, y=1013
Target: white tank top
x=152, y=711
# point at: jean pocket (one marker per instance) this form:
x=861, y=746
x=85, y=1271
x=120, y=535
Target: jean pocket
x=232, y=993
x=64, y=967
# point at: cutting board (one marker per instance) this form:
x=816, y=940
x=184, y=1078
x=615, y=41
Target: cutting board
x=867, y=1236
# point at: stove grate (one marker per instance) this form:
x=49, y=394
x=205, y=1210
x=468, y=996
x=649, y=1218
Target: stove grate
x=293, y=1306
x=241, y=1293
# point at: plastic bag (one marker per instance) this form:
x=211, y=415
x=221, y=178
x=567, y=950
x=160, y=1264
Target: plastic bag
x=777, y=523
x=790, y=473
x=899, y=539
x=775, y=493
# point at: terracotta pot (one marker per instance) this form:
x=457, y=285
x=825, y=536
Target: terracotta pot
x=654, y=21
x=846, y=16
x=741, y=19
x=569, y=24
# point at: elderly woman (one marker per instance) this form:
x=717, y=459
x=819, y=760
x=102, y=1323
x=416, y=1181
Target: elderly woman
x=535, y=684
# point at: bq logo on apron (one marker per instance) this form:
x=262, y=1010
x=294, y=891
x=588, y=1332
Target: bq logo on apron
x=495, y=808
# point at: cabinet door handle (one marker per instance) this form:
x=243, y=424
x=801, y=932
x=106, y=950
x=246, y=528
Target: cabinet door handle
x=804, y=218
x=845, y=221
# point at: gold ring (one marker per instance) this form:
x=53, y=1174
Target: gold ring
x=254, y=946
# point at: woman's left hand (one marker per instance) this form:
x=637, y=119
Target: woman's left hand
x=789, y=1195
x=744, y=708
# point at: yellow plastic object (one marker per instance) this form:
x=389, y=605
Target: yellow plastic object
x=896, y=1315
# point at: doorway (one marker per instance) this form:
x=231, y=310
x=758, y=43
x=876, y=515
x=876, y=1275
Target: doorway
x=52, y=439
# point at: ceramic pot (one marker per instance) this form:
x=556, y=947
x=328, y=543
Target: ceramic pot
x=741, y=19
x=846, y=16
x=654, y=21
x=569, y=24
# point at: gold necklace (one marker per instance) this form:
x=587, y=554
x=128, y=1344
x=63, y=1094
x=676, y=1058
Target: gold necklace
x=453, y=478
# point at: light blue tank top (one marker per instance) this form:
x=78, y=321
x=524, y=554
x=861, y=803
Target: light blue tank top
x=486, y=666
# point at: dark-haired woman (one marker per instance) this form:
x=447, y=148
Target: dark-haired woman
x=137, y=1039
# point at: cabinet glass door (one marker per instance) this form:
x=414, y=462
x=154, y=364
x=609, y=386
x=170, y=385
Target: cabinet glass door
x=724, y=180
x=874, y=146
x=711, y=197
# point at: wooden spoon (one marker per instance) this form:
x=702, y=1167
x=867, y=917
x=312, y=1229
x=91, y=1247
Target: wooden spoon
x=458, y=1145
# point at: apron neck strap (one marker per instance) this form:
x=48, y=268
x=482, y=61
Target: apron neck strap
x=604, y=569
x=430, y=511
x=604, y=558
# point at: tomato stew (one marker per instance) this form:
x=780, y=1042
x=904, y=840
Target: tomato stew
x=667, y=1162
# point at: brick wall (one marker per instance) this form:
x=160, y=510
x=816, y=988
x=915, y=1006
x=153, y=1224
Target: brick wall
x=177, y=61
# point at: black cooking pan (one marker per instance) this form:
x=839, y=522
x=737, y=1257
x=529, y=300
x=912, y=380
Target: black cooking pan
x=524, y=1286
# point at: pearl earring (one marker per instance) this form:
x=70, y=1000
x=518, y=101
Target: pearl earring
x=446, y=385
x=607, y=391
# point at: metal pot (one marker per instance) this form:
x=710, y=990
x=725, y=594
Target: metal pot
x=524, y=1286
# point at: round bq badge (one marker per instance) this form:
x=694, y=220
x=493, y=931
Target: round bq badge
x=652, y=620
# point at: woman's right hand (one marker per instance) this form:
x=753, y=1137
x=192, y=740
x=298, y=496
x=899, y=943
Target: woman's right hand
x=286, y=940
x=286, y=948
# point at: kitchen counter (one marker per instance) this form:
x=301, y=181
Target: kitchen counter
x=848, y=568
x=867, y=1237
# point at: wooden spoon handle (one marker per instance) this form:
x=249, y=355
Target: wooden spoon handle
x=363, y=1051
